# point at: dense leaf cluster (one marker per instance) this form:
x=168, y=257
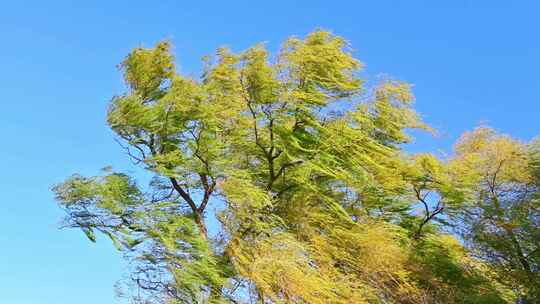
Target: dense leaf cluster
x=316, y=200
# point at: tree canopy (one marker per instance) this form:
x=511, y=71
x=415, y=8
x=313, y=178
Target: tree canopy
x=315, y=197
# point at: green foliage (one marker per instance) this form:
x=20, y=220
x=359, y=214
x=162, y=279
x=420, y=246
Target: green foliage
x=448, y=273
x=503, y=221
x=318, y=203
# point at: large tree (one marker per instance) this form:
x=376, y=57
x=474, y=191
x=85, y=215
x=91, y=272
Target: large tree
x=315, y=199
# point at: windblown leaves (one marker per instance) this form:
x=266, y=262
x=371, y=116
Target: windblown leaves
x=503, y=221
x=316, y=200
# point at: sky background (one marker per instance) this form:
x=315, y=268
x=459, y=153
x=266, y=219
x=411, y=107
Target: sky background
x=470, y=62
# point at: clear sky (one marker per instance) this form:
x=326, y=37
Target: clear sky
x=470, y=61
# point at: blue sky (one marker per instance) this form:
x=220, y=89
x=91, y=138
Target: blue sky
x=470, y=62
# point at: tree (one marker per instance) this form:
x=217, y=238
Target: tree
x=316, y=196
x=503, y=221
